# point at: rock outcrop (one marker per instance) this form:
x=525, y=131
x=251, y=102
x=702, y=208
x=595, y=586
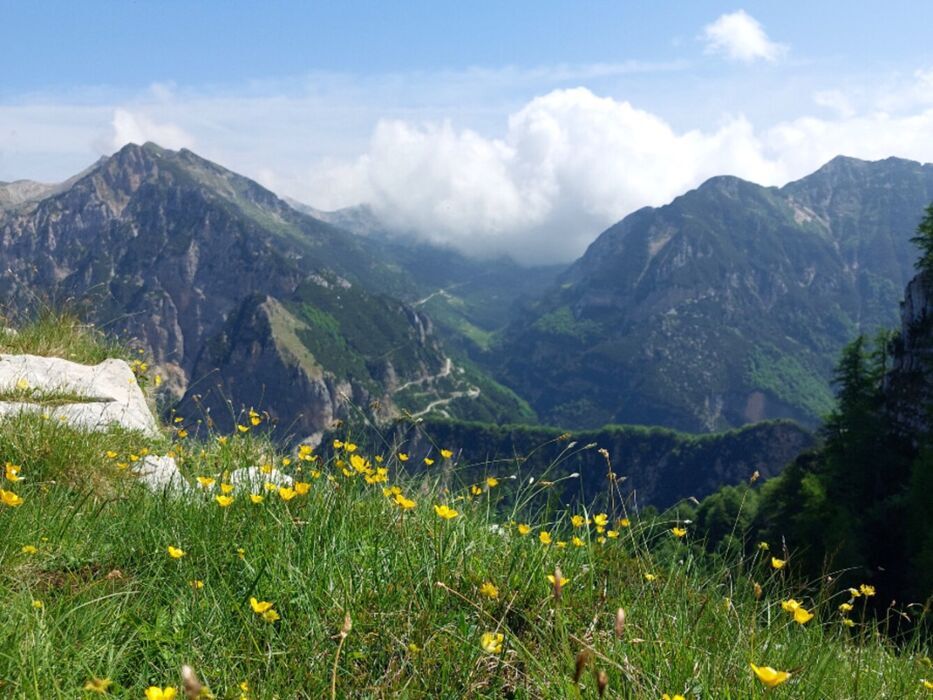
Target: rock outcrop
x=88, y=397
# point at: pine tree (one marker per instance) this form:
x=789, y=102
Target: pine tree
x=924, y=240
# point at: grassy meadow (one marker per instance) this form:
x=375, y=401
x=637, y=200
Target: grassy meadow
x=371, y=578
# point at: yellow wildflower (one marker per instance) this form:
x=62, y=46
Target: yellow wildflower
x=154, y=692
x=475, y=490
x=802, y=616
x=242, y=428
x=259, y=606
x=402, y=457
x=578, y=521
x=577, y=542
x=270, y=487
x=545, y=537
x=302, y=487
x=8, y=498
x=270, y=616
x=672, y=697
x=224, y=501
x=601, y=520
x=523, y=529
x=763, y=546
x=98, y=685
x=625, y=522
x=777, y=563
x=679, y=531
x=447, y=454
x=846, y=608
x=206, y=481
x=286, y=493
x=651, y=577
x=29, y=549
x=175, y=552
x=866, y=590
x=768, y=676
x=445, y=512
x=790, y=605
x=612, y=534
x=256, y=498
x=492, y=482
x=489, y=590
x=226, y=488
x=848, y=622
x=38, y=604
x=196, y=584
x=12, y=473
x=491, y=642
x=404, y=503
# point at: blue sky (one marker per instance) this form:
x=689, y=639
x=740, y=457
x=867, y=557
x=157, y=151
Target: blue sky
x=519, y=127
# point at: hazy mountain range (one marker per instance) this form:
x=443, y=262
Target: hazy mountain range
x=727, y=306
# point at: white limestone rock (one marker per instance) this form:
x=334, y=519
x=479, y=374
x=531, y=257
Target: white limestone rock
x=113, y=396
x=160, y=474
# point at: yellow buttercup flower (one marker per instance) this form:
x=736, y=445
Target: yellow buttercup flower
x=270, y=616
x=848, y=622
x=175, y=552
x=302, y=487
x=866, y=590
x=651, y=577
x=492, y=482
x=447, y=454
x=206, y=481
x=402, y=457
x=672, y=697
x=29, y=549
x=612, y=534
x=12, y=472
x=578, y=521
x=8, y=498
x=403, y=503
x=577, y=542
x=475, y=490
x=523, y=529
x=679, y=531
x=926, y=684
x=224, y=501
x=38, y=604
x=846, y=607
x=259, y=606
x=428, y=461
x=226, y=488
x=601, y=520
x=256, y=498
x=445, y=512
x=763, y=546
x=98, y=685
x=491, y=642
x=489, y=590
x=545, y=537
x=802, y=616
x=286, y=493
x=790, y=605
x=156, y=693
x=768, y=676
x=553, y=580
x=625, y=522
x=197, y=584
x=777, y=563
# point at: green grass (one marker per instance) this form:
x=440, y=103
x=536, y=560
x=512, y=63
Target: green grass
x=115, y=605
x=40, y=397
x=54, y=333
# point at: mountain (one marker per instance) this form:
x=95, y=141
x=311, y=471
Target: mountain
x=241, y=299
x=470, y=299
x=727, y=306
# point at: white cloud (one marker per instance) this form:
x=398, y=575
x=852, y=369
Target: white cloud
x=130, y=127
x=740, y=37
x=570, y=164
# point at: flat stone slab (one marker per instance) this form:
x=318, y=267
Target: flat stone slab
x=113, y=396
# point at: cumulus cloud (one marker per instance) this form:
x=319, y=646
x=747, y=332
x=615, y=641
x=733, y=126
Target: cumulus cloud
x=740, y=37
x=130, y=127
x=571, y=163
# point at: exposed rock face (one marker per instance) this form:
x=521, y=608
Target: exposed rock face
x=728, y=305
x=909, y=383
x=160, y=475
x=173, y=250
x=108, y=391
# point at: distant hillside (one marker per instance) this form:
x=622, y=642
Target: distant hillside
x=727, y=306
x=241, y=299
